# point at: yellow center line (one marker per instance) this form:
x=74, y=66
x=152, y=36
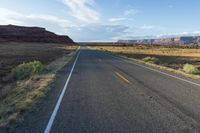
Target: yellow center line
x=122, y=77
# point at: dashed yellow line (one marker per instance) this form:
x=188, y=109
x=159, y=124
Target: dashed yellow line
x=122, y=77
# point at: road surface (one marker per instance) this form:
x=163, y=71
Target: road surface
x=107, y=94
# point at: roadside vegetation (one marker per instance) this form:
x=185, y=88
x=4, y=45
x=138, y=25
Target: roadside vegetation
x=191, y=69
x=27, y=82
x=175, y=58
x=26, y=70
x=16, y=57
x=150, y=59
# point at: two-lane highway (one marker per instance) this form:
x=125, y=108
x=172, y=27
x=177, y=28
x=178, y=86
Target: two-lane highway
x=107, y=94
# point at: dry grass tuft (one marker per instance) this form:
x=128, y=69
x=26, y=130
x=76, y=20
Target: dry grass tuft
x=22, y=97
x=150, y=59
x=191, y=69
x=26, y=70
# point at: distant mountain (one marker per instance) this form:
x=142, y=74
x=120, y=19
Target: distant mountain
x=30, y=34
x=176, y=40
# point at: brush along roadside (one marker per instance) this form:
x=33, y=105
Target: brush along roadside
x=187, y=70
x=179, y=71
x=27, y=92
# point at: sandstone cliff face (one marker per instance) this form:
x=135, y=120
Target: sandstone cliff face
x=178, y=40
x=30, y=34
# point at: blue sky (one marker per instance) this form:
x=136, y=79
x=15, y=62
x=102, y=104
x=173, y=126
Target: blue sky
x=106, y=20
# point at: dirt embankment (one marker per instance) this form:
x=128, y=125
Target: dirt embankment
x=17, y=96
x=173, y=57
x=13, y=54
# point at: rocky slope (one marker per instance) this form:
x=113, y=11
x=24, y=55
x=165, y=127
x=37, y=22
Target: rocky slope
x=30, y=34
x=177, y=40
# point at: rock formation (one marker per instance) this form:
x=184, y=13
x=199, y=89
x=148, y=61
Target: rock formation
x=30, y=34
x=178, y=40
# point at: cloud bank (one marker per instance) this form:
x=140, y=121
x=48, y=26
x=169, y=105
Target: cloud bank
x=43, y=20
x=83, y=10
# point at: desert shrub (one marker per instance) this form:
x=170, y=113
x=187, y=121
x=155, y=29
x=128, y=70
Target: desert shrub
x=26, y=70
x=150, y=59
x=191, y=69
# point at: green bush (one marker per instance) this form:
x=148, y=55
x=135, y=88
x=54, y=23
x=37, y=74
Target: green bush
x=191, y=69
x=150, y=59
x=26, y=70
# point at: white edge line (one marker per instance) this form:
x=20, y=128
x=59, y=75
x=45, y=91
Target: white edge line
x=131, y=62
x=53, y=115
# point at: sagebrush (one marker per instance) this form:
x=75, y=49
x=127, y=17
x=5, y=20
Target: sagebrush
x=26, y=70
x=150, y=59
x=191, y=69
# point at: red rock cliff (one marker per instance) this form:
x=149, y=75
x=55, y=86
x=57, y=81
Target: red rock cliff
x=30, y=34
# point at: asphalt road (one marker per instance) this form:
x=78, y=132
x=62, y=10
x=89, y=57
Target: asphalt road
x=106, y=94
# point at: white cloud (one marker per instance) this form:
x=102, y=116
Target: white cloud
x=127, y=15
x=196, y=32
x=99, y=32
x=83, y=10
x=10, y=17
x=168, y=35
x=147, y=27
x=49, y=18
x=45, y=20
x=117, y=19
